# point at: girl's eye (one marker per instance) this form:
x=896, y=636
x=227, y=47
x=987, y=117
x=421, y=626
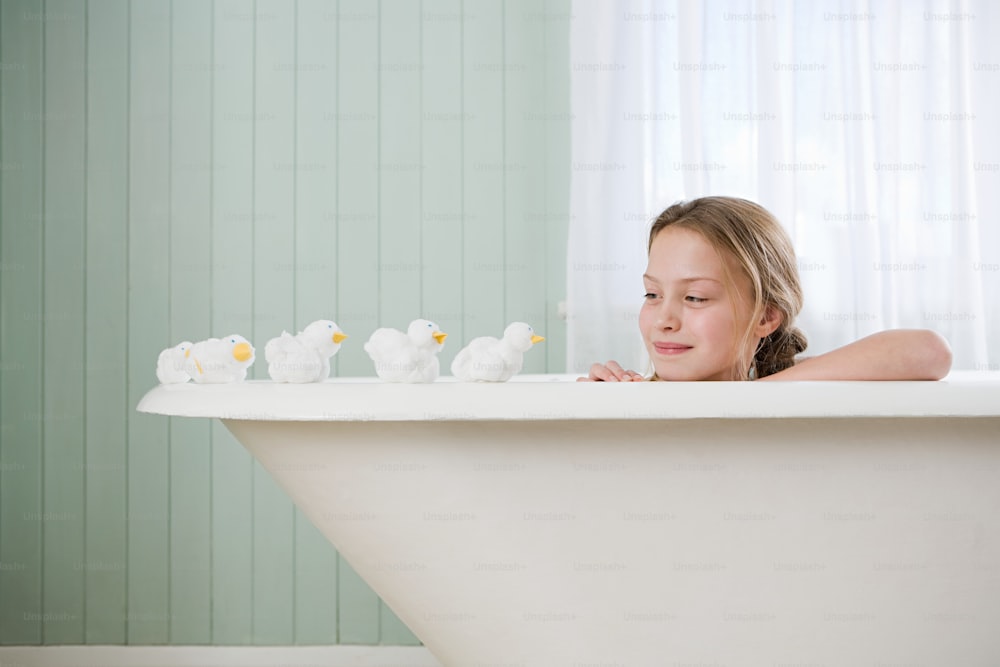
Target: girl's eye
x=695, y=299
x=648, y=296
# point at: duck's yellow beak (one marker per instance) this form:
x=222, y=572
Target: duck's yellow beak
x=439, y=337
x=537, y=339
x=337, y=337
x=241, y=351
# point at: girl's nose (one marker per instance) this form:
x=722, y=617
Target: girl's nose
x=668, y=316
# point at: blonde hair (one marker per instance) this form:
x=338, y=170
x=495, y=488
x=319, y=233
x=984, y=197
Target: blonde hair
x=749, y=235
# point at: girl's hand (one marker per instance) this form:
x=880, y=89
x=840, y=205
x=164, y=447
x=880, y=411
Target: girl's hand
x=610, y=372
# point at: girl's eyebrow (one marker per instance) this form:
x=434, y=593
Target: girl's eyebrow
x=683, y=280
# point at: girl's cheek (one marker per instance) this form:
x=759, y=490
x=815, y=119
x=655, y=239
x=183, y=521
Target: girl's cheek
x=644, y=319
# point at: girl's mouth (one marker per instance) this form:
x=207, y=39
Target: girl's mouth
x=670, y=348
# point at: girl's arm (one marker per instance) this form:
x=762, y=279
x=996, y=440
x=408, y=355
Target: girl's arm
x=898, y=354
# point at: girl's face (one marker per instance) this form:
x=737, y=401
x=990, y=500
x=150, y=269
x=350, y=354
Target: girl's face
x=692, y=317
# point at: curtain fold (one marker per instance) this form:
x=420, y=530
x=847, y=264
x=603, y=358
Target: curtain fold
x=865, y=127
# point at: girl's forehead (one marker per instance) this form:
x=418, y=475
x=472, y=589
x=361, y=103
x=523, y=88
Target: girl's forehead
x=678, y=253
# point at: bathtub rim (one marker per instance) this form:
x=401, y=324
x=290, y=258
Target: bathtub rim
x=557, y=397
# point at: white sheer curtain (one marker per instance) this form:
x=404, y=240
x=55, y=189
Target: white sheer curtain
x=868, y=128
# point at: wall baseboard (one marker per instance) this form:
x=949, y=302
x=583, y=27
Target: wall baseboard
x=216, y=656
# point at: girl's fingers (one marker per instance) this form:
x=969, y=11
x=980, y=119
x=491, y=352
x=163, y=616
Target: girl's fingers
x=602, y=373
x=623, y=375
x=616, y=371
x=610, y=372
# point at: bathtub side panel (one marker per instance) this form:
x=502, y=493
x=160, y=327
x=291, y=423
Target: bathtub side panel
x=796, y=541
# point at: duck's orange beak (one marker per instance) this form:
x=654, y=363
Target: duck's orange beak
x=242, y=351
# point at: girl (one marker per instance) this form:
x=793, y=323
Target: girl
x=722, y=293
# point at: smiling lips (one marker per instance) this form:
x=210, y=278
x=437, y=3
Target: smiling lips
x=670, y=348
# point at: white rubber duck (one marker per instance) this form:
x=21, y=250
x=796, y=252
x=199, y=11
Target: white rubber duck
x=304, y=357
x=170, y=364
x=486, y=359
x=407, y=357
x=219, y=360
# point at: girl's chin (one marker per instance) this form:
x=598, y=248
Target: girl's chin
x=673, y=375
x=677, y=375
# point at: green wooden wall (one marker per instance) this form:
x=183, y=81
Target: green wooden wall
x=195, y=168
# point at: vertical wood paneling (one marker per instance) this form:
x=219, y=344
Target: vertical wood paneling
x=485, y=176
x=190, y=313
x=556, y=158
x=316, y=165
x=274, y=173
x=274, y=290
x=441, y=156
x=240, y=166
x=62, y=317
x=21, y=286
x=149, y=294
x=400, y=168
x=232, y=305
x=315, y=276
x=357, y=248
x=107, y=407
x=525, y=267
x=358, y=183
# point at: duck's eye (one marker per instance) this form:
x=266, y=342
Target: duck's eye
x=329, y=326
x=232, y=340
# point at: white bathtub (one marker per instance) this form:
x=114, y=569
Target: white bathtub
x=550, y=524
